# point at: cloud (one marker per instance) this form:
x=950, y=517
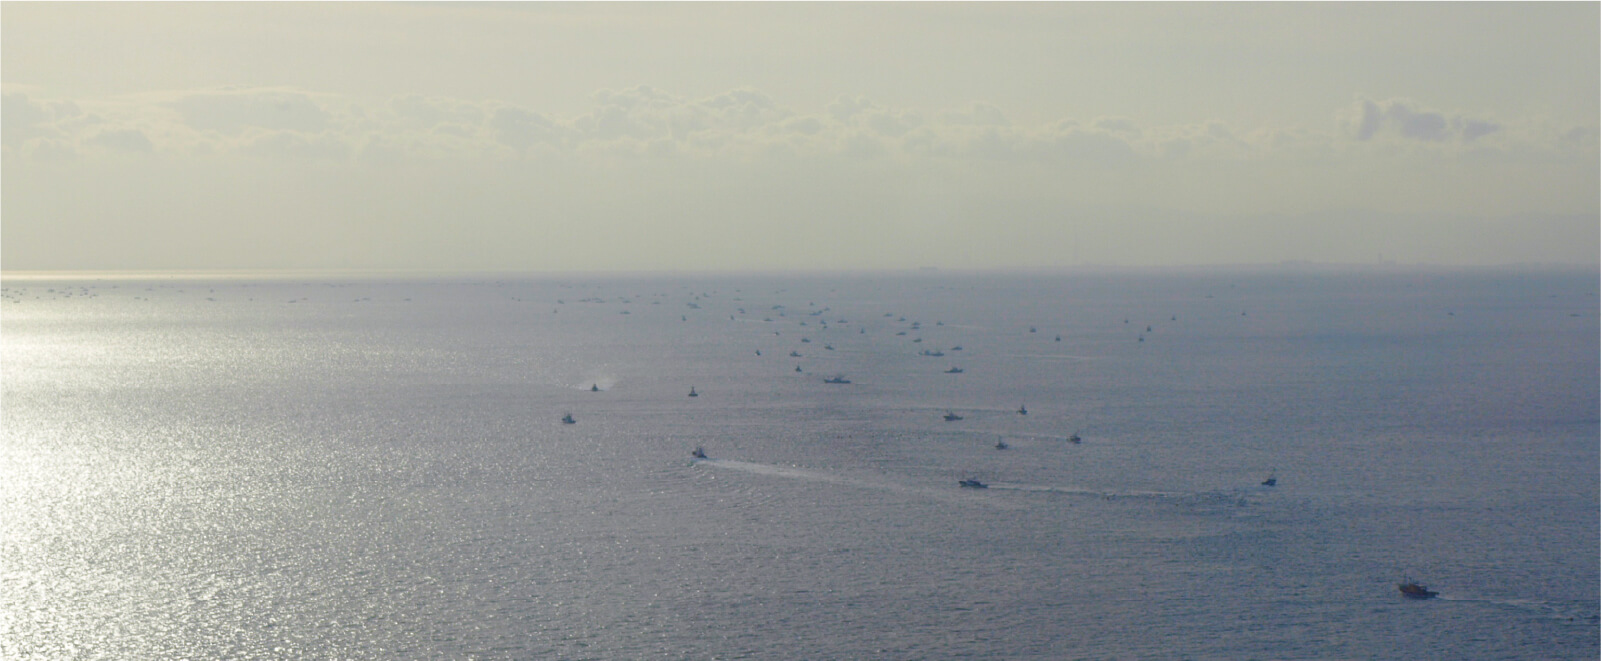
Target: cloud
x=521, y=129
x=23, y=119
x=1369, y=119
x=124, y=140
x=978, y=114
x=430, y=112
x=231, y=112
x=739, y=126
x=296, y=145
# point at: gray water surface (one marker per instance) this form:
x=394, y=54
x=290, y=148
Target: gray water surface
x=376, y=469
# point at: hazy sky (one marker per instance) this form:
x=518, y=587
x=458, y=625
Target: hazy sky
x=612, y=136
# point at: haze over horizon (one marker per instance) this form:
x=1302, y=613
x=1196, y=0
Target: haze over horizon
x=730, y=136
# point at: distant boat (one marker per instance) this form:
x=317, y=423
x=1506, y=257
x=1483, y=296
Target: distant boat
x=568, y=419
x=1022, y=410
x=1272, y=480
x=595, y=387
x=797, y=368
x=954, y=370
x=758, y=352
x=935, y=353
x=1412, y=590
x=692, y=392
x=829, y=347
x=956, y=348
x=698, y=453
x=950, y=416
x=1075, y=438
x=794, y=354
x=837, y=379
x=1001, y=444
x=973, y=484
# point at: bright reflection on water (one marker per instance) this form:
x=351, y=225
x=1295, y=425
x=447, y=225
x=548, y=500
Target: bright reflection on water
x=366, y=469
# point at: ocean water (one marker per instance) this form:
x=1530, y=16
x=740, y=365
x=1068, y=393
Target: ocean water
x=222, y=467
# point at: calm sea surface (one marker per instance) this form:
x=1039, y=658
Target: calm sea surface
x=377, y=469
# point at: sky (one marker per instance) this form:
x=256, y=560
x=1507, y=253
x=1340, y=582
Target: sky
x=561, y=137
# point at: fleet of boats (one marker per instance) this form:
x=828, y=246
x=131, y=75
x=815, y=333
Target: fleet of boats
x=1408, y=589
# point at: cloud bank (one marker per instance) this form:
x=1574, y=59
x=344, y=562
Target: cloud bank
x=738, y=124
x=644, y=178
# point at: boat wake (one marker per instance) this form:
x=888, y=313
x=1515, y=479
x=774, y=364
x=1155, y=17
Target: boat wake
x=1575, y=613
x=1082, y=491
x=1222, y=497
x=951, y=496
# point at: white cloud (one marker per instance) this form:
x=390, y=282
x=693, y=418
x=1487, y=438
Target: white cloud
x=1369, y=119
x=232, y=111
x=124, y=140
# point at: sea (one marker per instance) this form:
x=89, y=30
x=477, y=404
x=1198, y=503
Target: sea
x=336, y=466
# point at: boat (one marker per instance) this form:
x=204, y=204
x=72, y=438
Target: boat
x=935, y=353
x=1001, y=444
x=1022, y=410
x=692, y=392
x=973, y=484
x=698, y=453
x=568, y=419
x=1272, y=480
x=954, y=370
x=837, y=379
x=794, y=354
x=594, y=387
x=950, y=416
x=797, y=368
x=1412, y=590
x=1075, y=439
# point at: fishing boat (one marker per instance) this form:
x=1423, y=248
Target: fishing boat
x=1412, y=590
x=568, y=419
x=1022, y=410
x=1075, y=439
x=950, y=416
x=698, y=453
x=837, y=379
x=1272, y=480
x=594, y=387
x=973, y=484
x=954, y=370
x=692, y=392
x=1001, y=444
